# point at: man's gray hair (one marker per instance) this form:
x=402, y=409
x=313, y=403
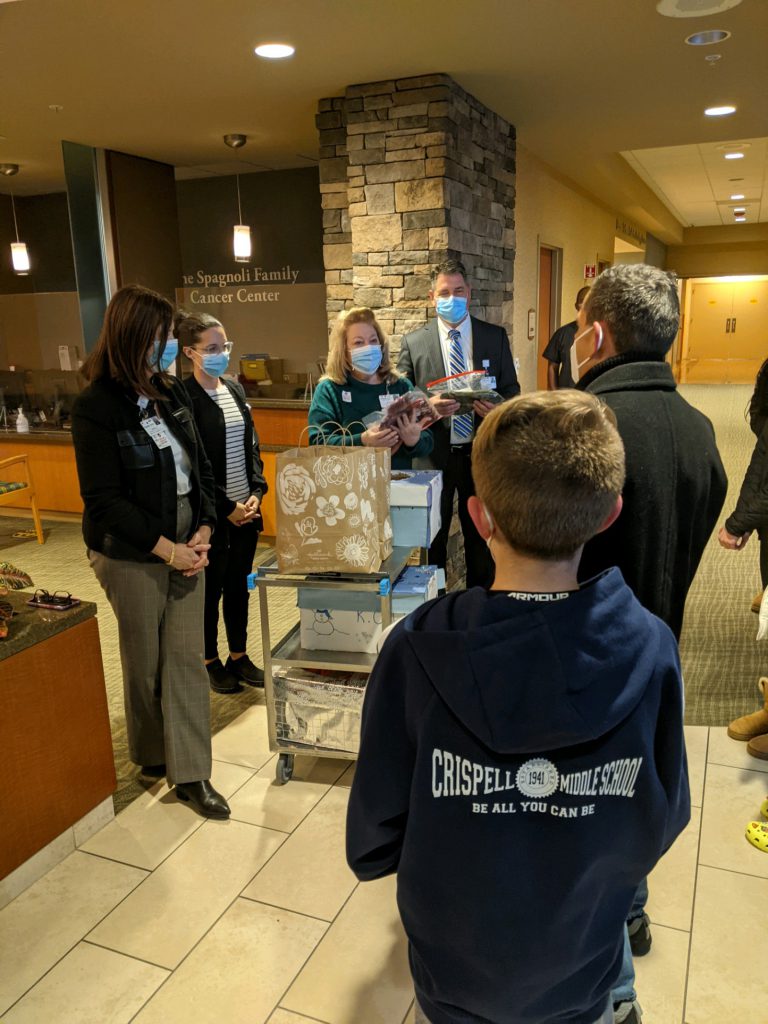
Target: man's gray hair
x=640, y=306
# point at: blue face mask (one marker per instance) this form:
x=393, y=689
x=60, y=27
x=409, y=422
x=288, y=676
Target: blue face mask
x=215, y=363
x=169, y=355
x=453, y=309
x=366, y=359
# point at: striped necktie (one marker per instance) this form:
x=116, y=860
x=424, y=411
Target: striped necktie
x=461, y=426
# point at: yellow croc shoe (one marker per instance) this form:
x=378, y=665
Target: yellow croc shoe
x=757, y=835
x=764, y=808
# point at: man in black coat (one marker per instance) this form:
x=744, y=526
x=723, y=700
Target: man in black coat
x=455, y=342
x=675, y=484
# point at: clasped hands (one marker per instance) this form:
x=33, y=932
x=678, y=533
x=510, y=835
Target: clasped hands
x=244, y=511
x=189, y=559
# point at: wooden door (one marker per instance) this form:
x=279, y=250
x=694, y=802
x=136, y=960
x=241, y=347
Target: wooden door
x=749, y=329
x=708, y=355
x=545, y=314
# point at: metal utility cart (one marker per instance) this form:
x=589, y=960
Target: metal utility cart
x=290, y=655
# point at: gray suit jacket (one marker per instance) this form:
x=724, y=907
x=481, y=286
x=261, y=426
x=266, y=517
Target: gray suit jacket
x=421, y=360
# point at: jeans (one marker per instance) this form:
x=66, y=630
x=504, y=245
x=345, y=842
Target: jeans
x=605, y=1018
x=624, y=989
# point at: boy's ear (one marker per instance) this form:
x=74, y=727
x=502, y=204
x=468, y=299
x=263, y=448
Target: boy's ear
x=612, y=516
x=477, y=514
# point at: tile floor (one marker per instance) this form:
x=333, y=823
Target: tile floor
x=162, y=917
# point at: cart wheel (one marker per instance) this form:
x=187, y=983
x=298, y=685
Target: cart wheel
x=284, y=769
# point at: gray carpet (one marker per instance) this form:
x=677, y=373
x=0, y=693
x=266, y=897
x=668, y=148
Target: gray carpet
x=721, y=659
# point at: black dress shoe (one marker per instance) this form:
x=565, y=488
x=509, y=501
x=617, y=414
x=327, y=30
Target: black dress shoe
x=153, y=771
x=221, y=679
x=244, y=669
x=204, y=798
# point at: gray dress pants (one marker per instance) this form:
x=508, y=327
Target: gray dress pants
x=165, y=684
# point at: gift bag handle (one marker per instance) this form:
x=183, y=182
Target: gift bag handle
x=337, y=428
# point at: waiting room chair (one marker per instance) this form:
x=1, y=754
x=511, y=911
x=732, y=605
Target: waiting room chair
x=9, y=491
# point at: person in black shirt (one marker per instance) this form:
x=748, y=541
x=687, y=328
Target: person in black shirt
x=558, y=351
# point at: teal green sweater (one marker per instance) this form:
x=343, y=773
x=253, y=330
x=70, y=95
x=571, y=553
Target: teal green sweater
x=348, y=403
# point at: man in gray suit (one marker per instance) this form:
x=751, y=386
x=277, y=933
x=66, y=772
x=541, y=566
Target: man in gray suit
x=451, y=343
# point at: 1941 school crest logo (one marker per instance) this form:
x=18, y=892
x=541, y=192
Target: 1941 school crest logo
x=537, y=777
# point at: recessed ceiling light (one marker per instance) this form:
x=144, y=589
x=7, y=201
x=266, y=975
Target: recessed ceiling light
x=738, y=195
x=739, y=209
x=274, y=51
x=719, y=111
x=734, y=156
x=715, y=35
x=740, y=218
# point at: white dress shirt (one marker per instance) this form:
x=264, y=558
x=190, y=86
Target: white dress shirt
x=465, y=330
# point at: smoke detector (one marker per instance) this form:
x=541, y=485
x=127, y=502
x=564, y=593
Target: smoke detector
x=234, y=140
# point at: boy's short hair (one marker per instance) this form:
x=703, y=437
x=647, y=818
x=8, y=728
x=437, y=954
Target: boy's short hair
x=549, y=467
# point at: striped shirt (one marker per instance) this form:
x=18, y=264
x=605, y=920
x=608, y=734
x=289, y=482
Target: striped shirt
x=237, y=488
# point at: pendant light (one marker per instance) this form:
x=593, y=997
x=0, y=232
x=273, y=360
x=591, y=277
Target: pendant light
x=242, y=233
x=19, y=253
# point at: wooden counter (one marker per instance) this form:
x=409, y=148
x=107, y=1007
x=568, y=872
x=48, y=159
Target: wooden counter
x=279, y=423
x=54, y=727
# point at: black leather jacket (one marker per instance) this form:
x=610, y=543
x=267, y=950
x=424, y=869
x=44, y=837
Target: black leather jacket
x=127, y=483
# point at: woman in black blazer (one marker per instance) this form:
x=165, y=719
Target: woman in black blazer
x=148, y=492
x=223, y=418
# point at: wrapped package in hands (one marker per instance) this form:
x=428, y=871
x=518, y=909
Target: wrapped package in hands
x=412, y=403
x=466, y=389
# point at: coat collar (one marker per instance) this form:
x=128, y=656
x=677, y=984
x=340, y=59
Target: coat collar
x=631, y=371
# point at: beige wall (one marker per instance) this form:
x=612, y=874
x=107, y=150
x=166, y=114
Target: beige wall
x=715, y=251
x=33, y=326
x=551, y=211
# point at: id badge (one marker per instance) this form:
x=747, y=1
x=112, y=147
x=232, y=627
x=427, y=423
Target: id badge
x=157, y=430
x=346, y=396
x=488, y=383
x=386, y=400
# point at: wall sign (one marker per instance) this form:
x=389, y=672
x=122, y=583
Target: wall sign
x=590, y=271
x=531, y=324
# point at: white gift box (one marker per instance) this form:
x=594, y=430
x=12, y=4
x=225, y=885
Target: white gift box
x=338, y=621
x=415, y=506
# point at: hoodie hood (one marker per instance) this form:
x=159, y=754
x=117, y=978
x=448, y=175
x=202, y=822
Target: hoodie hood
x=527, y=676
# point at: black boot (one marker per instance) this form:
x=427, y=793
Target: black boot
x=244, y=669
x=221, y=679
x=204, y=798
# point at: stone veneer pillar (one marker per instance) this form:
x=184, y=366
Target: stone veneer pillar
x=414, y=171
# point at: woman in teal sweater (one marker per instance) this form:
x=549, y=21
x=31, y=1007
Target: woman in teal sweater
x=359, y=380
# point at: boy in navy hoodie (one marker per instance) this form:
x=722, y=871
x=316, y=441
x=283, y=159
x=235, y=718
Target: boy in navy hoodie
x=522, y=765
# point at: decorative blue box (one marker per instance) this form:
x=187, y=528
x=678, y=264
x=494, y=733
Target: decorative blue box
x=415, y=506
x=415, y=585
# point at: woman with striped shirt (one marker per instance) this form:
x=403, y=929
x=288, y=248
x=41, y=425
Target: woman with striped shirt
x=223, y=418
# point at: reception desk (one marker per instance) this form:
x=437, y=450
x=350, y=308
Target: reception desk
x=279, y=424
x=54, y=734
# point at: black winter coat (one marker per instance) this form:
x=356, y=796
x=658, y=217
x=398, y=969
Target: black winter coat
x=210, y=422
x=127, y=483
x=751, y=512
x=674, y=491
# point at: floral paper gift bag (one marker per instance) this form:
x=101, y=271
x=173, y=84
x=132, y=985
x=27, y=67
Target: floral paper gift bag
x=330, y=510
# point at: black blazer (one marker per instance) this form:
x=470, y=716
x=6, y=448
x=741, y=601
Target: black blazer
x=421, y=360
x=210, y=423
x=127, y=483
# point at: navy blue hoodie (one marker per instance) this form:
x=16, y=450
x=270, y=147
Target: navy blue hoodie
x=522, y=768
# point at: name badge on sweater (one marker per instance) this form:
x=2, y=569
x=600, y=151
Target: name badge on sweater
x=346, y=396
x=386, y=400
x=157, y=430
